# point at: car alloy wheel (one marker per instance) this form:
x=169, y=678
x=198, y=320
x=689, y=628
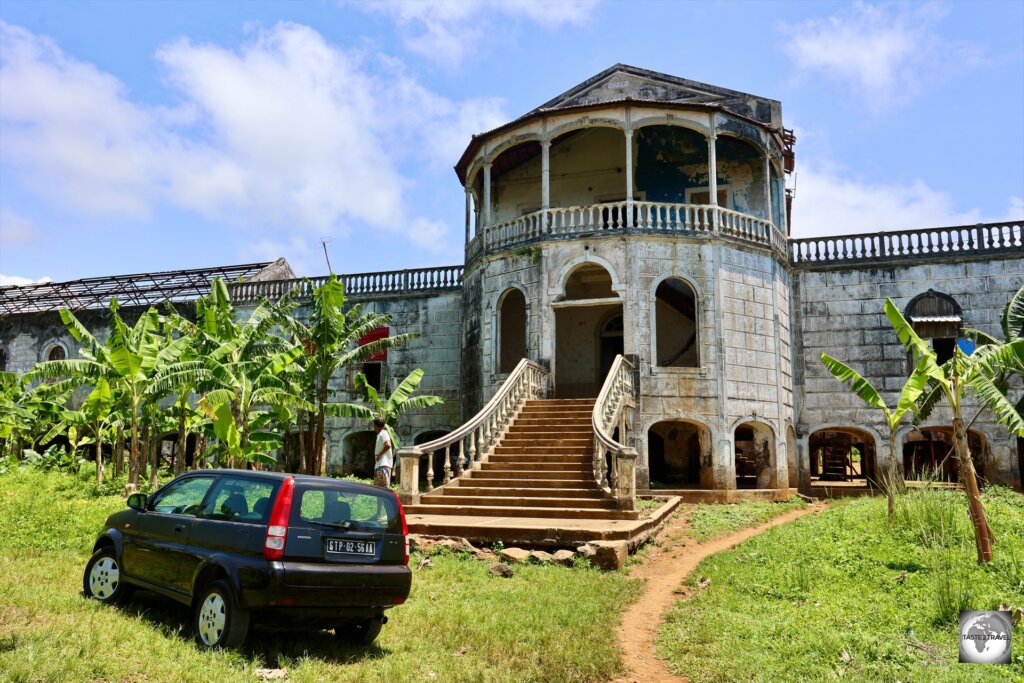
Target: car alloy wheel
x=219, y=621
x=102, y=578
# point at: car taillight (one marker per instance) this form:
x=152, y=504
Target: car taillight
x=277, y=530
x=405, y=527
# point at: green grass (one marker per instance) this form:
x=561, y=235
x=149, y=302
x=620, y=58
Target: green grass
x=711, y=521
x=546, y=623
x=844, y=595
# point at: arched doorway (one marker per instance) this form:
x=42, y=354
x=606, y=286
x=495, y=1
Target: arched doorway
x=843, y=454
x=928, y=454
x=357, y=454
x=588, y=332
x=511, y=330
x=679, y=455
x=755, y=456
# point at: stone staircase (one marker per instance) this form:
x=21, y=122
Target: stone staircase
x=542, y=468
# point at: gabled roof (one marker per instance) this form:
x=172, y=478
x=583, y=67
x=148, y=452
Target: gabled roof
x=139, y=289
x=625, y=82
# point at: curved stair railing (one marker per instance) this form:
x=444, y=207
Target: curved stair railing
x=474, y=440
x=615, y=463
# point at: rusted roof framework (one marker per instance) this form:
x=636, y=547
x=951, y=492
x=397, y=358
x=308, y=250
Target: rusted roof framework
x=141, y=289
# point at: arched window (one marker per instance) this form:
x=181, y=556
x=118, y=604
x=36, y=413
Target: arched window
x=3, y=359
x=512, y=330
x=675, y=314
x=56, y=352
x=936, y=317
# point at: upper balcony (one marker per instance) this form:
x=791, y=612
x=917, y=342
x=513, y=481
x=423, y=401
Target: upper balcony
x=630, y=151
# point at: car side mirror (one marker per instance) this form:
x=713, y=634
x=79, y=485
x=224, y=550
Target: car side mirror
x=137, y=501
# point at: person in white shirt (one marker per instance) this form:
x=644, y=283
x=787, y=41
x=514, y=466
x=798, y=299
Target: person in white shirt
x=383, y=457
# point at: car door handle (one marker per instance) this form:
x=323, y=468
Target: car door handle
x=179, y=527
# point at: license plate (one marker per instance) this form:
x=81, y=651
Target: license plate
x=343, y=547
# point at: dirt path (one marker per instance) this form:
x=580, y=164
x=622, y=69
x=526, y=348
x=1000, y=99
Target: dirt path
x=664, y=569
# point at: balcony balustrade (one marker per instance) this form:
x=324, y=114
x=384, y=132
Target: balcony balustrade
x=612, y=217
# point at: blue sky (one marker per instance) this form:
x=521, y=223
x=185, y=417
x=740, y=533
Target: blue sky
x=142, y=136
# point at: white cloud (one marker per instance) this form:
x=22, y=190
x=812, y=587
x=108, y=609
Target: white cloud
x=831, y=201
x=287, y=135
x=449, y=31
x=18, y=281
x=15, y=229
x=885, y=53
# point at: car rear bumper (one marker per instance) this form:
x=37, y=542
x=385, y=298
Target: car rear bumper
x=291, y=586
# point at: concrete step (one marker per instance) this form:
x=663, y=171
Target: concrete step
x=512, y=473
x=516, y=441
x=519, y=511
x=517, y=480
x=502, y=491
x=518, y=501
x=568, y=430
x=541, y=468
x=556, y=402
x=552, y=451
x=551, y=421
x=532, y=457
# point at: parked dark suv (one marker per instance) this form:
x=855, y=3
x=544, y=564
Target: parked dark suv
x=239, y=546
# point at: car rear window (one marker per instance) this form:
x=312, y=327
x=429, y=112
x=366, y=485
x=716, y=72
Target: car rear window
x=345, y=508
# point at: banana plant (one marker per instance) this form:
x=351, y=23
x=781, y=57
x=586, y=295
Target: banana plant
x=906, y=404
x=128, y=360
x=963, y=374
x=400, y=401
x=330, y=341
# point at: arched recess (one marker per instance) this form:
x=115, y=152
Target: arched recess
x=741, y=172
x=589, y=330
x=54, y=349
x=438, y=457
x=928, y=454
x=357, y=453
x=587, y=166
x=936, y=317
x=755, y=456
x=843, y=454
x=675, y=323
x=588, y=281
x=679, y=455
x=511, y=329
x=792, y=463
x=515, y=181
x=672, y=165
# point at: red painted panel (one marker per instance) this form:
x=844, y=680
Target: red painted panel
x=374, y=335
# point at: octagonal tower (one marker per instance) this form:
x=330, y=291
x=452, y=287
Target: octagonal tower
x=642, y=214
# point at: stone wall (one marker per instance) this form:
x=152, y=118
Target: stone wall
x=840, y=312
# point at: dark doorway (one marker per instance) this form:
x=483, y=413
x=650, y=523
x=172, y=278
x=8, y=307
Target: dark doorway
x=611, y=346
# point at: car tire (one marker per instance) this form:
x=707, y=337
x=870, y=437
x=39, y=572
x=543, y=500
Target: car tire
x=102, y=578
x=219, y=621
x=363, y=633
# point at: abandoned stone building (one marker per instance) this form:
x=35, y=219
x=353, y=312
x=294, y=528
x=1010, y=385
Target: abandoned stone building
x=628, y=257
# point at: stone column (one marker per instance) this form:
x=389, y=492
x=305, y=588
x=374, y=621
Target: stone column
x=713, y=177
x=768, y=188
x=487, y=201
x=545, y=182
x=469, y=211
x=629, y=177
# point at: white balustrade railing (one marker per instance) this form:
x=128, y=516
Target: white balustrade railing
x=615, y=463
x=469, y=446
x=657, y=217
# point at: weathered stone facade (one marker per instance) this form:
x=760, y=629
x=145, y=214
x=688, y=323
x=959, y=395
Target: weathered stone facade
x=645, y=215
